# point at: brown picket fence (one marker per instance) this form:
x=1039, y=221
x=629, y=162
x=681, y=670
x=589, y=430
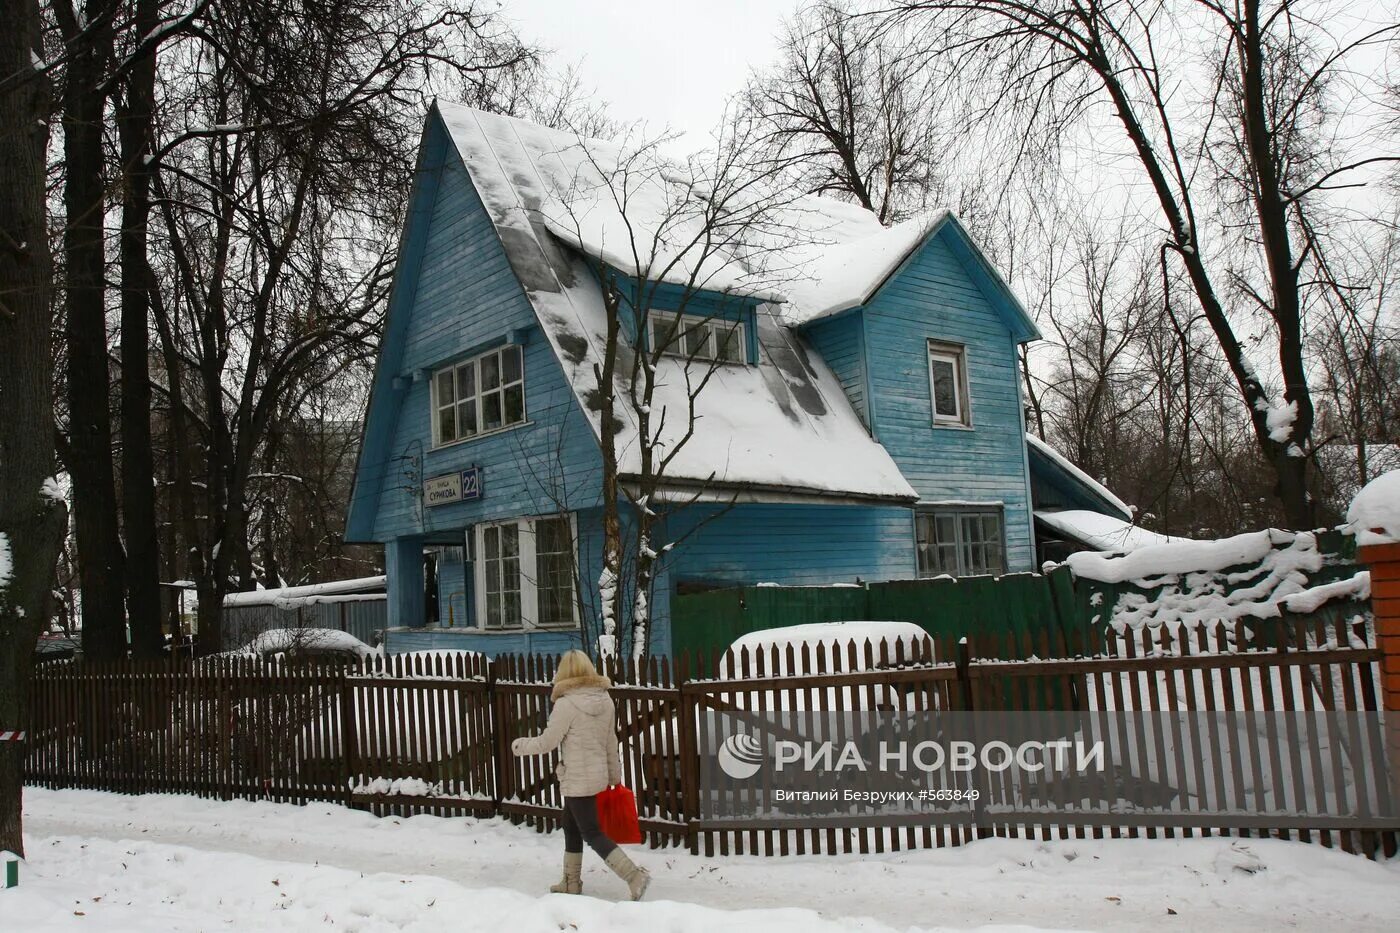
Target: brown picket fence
x=431, y=734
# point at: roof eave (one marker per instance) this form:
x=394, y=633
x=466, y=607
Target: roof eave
x=688, y=490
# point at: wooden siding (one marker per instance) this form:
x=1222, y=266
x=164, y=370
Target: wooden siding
x=467, y=297
x=934, y=297
x=796, y=544
x=839, y=340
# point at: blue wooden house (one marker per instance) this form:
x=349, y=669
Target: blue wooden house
x=863, y=421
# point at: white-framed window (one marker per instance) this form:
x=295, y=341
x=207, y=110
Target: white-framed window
x=478, y=396
x=963, y=541
x=525, y=574
x=696, y=337
x=947, y=382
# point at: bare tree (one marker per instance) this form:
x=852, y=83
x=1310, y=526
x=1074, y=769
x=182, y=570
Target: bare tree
x=675, y=247
x=1357, y=346
x=32, y=515
x=850, y=113
x=283, y=157
x=1228, y=113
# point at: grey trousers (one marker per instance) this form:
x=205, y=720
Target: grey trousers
x=581, y=825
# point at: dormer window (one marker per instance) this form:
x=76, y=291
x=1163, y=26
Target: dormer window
x=696, y=337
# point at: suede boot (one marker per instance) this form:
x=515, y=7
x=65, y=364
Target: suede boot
x=637, y=878
x=572, y=882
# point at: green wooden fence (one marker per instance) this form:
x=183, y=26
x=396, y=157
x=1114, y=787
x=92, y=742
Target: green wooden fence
x=1016, y=604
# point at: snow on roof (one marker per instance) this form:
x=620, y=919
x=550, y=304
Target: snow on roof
x=818, y=255
x=292, y=596
x=1374, y=515
x=847, y=262
x=1102, y=532
x=783, y=424
x=1064, y=463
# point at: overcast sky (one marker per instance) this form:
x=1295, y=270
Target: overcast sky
x=668, y=62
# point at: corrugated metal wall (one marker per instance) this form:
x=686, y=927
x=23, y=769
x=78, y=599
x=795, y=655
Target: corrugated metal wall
x=361, y=618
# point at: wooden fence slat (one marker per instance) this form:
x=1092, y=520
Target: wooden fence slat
x=300, y=731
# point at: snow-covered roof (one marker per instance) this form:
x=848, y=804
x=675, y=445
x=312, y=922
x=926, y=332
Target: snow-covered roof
x=1084, y=479
x=784, y=424
x=1101, y=532
x=291, y=596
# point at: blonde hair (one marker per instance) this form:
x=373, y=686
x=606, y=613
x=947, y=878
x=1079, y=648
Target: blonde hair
x=574, y=664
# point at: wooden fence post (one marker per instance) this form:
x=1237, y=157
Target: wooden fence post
x=1384, y=563
x=500, y=735
x=348, y=739
x=690, y=756
x=981, y=784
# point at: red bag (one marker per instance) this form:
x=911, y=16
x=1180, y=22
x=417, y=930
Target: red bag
x=617, y=815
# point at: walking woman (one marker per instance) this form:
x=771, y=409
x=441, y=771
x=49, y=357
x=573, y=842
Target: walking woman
x=584, y=724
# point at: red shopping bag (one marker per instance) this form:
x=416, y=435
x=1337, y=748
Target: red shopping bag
x=617, y=815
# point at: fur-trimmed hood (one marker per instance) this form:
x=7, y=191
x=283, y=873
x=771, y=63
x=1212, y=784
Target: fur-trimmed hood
x=583, y=726
x=568, y=685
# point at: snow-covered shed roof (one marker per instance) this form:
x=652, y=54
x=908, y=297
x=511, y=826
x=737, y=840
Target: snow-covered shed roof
x=289, y=597
x=784, y=424
x=1049, y=466
x=1100, y=532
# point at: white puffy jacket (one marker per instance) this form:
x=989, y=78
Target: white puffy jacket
x=584, y=723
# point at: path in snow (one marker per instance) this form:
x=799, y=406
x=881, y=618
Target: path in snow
x=371, y=873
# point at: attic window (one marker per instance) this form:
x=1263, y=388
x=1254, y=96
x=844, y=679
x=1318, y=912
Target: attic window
x=696, y=337
x=478, y=396
x=947, y=376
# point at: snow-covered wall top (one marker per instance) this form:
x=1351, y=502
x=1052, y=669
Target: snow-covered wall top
x=1257, y=575
x=1374, y=516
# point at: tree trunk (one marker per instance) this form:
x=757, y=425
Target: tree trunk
x=89, y=415
x=610, y=581
x=32, y=524
x=138, y=459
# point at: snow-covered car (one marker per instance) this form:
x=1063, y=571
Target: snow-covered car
x=56, y=648
x=306, y=644
x=892, y=645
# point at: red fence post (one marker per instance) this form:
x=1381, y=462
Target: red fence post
x=1384, y=563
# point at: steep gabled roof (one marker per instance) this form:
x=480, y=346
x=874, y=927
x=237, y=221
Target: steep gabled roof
x=815, y=256
x=784, y=424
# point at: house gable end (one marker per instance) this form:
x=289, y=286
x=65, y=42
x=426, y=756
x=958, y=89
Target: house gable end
x=456, y=296
x=940, y=294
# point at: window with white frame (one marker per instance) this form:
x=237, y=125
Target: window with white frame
x=947, y=379
x=525, y=574
x=961, y=541
x=697, y=337
x=479, y=395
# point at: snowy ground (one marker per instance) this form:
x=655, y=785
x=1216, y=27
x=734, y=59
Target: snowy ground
x=103, y=861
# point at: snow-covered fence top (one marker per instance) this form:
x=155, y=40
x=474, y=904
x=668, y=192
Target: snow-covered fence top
x=1257, y=575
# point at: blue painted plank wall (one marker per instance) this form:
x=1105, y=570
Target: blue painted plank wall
x=467, y=297
x=839, y=341
x=934, y=297
x=796, y=544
